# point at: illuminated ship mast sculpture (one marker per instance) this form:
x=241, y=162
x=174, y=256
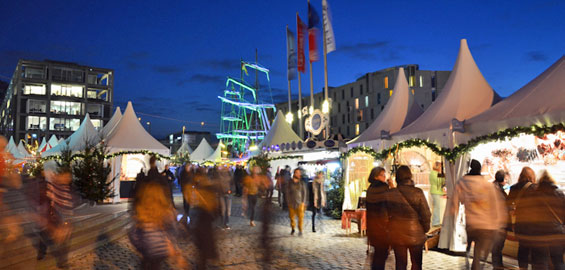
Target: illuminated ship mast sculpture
x=244, y=120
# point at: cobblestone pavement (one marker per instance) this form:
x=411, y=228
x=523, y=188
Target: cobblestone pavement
x=329, y=248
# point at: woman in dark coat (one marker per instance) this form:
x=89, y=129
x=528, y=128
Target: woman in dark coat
x=377, y=217
x=409, y=216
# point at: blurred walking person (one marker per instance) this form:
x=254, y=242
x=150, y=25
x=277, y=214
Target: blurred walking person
x=296, y=194
x=154, y=218
x=170, y=182
x=227, y=188
x=409, y=216
x=185, y=180
x=377, y=217
x=202, y=198
x=522, y=210
x=500, y=238
x=317, y=198
x=484, y=212
x=251, y=186
x=437, y=185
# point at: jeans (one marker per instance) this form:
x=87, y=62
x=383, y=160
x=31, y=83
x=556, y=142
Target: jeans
x=539, y=256
x=497, y=247
x=438, y=205
x=225, y=208
x=483, y=244
x=401, y=256
x=556, y=254
x=380, y=254
x=252, y=201
x=299, y=211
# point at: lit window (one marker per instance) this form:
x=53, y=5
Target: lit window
x=421, y=81
x=356, y=103
x=66, y=107
x=97, y=123
x=34, y=89
x=412, y=91
x=390, y=93
x=101, y=94
x=360, y=116
x=36, y=122
x=356, y=129
x=411, y=81
x=36, y=106
x=366, y=101
x=67, y=90
x=386, y=82
x=62, y=124
x=95, y=110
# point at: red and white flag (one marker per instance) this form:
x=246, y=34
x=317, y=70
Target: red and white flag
x=300, y=28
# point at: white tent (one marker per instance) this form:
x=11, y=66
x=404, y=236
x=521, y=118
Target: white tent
x=43, y=146
x=465, y=94
x=399, y=111
x=116, y=117
x=13, y=149
x=53, y=141
x=216, y=155
x=85, y=135
x=280, y=133
x=184, y=148
x=537, y=103
x=202, y=152
x=22, y=149
x=11, y=145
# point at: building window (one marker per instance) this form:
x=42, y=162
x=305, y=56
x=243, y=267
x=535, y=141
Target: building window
x=382, y=108
x=366, y=101
x=411, y=81
x=356, y=103
x=36, y=106
x=33, y=72
x=378, y=98
x=360, y=89
x=67, y=74
x=433, y=95
x=348, y=131
x=34, y=89
x=433, y=81
x=390, y=93
x=61, y=124
x=421, y=81
x=356, y=129
x=36, y=123
x=351, y=91
x=97, y=123
x=98, y=78
x=67, y=90
x=386, y=82
x=95, y=110
x=343, y=118
x=66, y=107
x=342, y=94
x=372, y=114
x=98, y=94
x=360, y=116
x=339, y=107
x=413, y=91
x=347, y=106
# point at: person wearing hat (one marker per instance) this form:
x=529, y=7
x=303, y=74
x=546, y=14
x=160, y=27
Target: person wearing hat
x=485, y=212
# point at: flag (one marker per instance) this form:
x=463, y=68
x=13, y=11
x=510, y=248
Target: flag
x=244, y=68
x=300, y=28
x=313, y=22
x=291, y=55
x=328, y=29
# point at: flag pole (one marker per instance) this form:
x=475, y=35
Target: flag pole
x=289, y=98
x=327, y=130
x=311, y=79
x=300, y=123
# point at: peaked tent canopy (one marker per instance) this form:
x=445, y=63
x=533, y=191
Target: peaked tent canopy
x=279, y=133
x=85, y=135
x=465, y=94
x=116, y=117
x=202, y=152
x=536, y=103
x=53, y=141
x=43, y=146
x=11, y=145
x=216, y=155
x=399, y=111
x=129, y=135
x=22, y=149
x=184, y=148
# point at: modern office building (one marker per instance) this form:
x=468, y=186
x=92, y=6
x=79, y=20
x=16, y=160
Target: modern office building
x=53, y=97
x=355, y=105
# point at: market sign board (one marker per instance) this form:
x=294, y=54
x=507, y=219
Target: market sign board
x=316, y=122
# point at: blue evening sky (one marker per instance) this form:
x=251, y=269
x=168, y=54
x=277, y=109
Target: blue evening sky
x=171, y=57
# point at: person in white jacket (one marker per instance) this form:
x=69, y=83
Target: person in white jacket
x=484, y=211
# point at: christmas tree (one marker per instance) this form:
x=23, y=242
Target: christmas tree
x=90, y=174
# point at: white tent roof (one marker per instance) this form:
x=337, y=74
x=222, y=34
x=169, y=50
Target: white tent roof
x=399, y=111
x=538, y=102
x=11, y=146
x=202, y=152
x=279, y=133
x=216, y=155
x=85, y=134
x=22, y=148
x=185, y=148
x=129, y=135
x=116, y=117
x=53, y=141
x=465, y=94
x=42, y=145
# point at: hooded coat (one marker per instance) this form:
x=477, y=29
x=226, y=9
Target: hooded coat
x=377, y=213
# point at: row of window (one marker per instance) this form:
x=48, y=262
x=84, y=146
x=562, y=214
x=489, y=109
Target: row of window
x=57, y=124
x=66, y=74
x=411, y=83
x=65, y=90
x=64, y=107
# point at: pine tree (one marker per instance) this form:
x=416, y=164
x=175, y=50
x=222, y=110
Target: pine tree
x=90, y=174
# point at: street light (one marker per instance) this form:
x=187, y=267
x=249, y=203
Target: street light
x=149, y=126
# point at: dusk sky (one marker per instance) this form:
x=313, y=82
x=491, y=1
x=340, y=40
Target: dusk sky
x=171, y=58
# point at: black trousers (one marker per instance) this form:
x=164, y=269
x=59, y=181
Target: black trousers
x=497, y=247
x=401, y=256
x=556, y=254
x=60, y=252
x=539, y=256
x=252, y=201
x=380, y=255
x=483, y=245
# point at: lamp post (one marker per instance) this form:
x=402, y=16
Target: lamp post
x=149, y=126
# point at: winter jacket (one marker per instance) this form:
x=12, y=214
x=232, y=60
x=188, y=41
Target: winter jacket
x=409, y=214
x=296, y=193
x=523, y=205
x=377, y=213
x=484, y=206
x=534, y=215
